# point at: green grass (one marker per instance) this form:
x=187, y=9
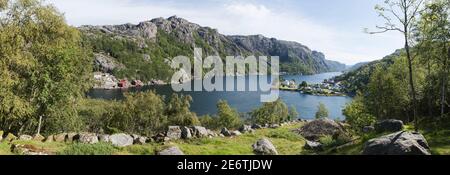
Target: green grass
x=5, y=149
x=286, y=142
x=87, y=149
x=439, y=142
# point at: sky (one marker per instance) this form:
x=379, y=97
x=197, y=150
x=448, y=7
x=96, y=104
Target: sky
x=334, y=27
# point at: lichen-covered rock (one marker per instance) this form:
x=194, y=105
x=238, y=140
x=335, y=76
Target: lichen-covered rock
x=38, y=137
x=199, y=132
x=104, y=138
x=50, y=138
x=321, y=127
x=274, y=126
x=60, y=137
x=10, y=137
x=235, y=133
x=25, y=137
x=311, y=145
x=86, y=138
x=139, y=140
x=171, y=151
x=174, y=132
x=186, y=133
x=70, y=137
x=264, y=147
x=225, y=132
x=390, y=125
x=400, y=143
x=368, y=129
x=246, y=129
x=29, y=150
x=121, y=140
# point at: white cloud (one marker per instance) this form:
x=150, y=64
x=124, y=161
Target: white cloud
x=238, y=18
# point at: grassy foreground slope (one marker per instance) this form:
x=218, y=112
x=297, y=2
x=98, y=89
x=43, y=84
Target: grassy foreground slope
x=286, y=142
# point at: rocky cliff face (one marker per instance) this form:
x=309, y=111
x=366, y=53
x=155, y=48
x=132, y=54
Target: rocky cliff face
x=294, y=57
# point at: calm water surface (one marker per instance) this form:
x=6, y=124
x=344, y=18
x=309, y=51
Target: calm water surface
x=205, y=102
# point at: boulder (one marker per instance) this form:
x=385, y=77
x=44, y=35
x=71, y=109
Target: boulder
x=86, y=138
x=60, y=137
x=39, y=138
x=10, y=137
x=368, y=129
x=29, y=150
x=50, y=138
x=1, y=135
x=186, y=133
x=225, y=132
x=274, y=126
x=390, y=125
x=211, y=133
x=160, y=137
x=121, y=140
x=103, y=138
x=25, y=137
x=256, y=126
x=246, y=129
x=70, y=137
x=311, y=145
x=318, y=128
x=171, y=151
x=139, y=140
x=264, y=147
x=235, y=133
x=399, y=143
x=174, y=132
x=199, y=131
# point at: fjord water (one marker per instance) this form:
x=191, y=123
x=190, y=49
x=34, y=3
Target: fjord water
x=205, y=102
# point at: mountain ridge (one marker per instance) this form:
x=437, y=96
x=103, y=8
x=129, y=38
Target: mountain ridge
x=179, y=32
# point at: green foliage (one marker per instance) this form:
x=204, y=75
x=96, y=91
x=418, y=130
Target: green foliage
x=178, y=110
x=45, y=68
x=303, y=84
x=141, y=113
x=144, y=113
x=333, y=141
x=293, y=114
x=384, y=89
x=227, y=117
x=209, y=122
x=357, y=115
x=89, y=149
x=271, y=113
x=322, y=111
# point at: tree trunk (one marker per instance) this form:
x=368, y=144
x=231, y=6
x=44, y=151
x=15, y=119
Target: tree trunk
x=411, y=79
x=429, y=91
x=444, y=82
x=39, y=125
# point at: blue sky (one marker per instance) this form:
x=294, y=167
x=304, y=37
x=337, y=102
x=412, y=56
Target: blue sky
x=332, y=27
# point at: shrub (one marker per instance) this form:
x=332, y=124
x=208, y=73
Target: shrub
x=89, y=149
x=271, y=113
x=140, y=113
x=227, y=116
x=209, y=122
x=322, y=111
x=356, y=115
x=178, y=111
